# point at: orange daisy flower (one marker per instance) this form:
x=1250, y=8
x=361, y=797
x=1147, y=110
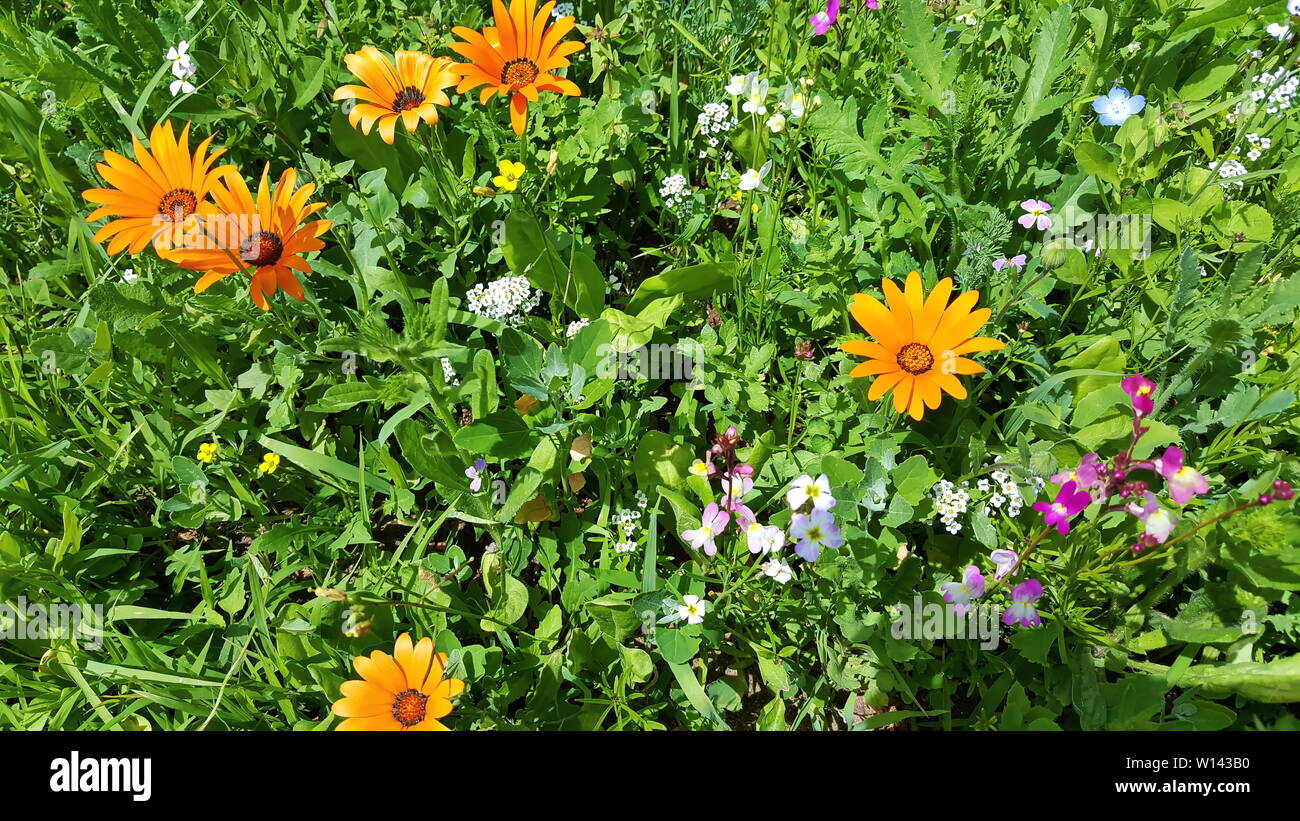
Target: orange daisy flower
x=269, y=234
x=405, y=691
x=412, y=90
x=919, y=343
x=517, y=56
x=157, y=197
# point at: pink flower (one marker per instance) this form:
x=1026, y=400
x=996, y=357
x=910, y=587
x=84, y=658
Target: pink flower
x=1022, y=607
x=1159, y=523
x=713, y=522
x=1003, y=560
x=1069, y=501
x=1184, y=481
x=873, y=4
x=1086, y=475
x=1140, y=390
x=1036, y=213
x=823, y=20
x=1018, y=260
x=960, y=593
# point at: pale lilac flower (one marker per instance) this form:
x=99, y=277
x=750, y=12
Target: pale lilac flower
x=1184, y=481
x=1018, y=261
x=1158, y=522
x=1022, y=607
x=1118, y=106
x=813, y=532
x=1004, y=561
x=806, y=489
x=959, y=594
x=475, y=474
x=1036, y=213
x=713, y=522
x=763, y=539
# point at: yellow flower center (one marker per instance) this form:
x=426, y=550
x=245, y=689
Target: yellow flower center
x=177, y=204
x=1143, y=391
x=519, y=72
x=409, y=707
x=408, y=98
x=262, y=248
x=915, y=358
x=815, y=534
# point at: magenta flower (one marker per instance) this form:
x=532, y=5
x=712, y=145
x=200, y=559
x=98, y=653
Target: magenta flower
x=873, y=4
x=1018, y=261
x=1004, y=561
x=1036, y=213
x=961, y=593
x=823, y=20
x=1022, y=607
x=1140, y=390
x=1184, y=481
x=713, y=522
x=1069, y=501
x=1086, y=475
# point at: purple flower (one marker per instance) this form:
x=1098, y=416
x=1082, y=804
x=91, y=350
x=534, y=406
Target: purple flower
x=713, y=522
x=814, y=531
x=1140, y=390
x=1087, y=474
x=475, y=475
x=1004, y=561
x=961, y=593
x=1069, y=501
x=1018, y=260
x=873, y=4
x=1036, y=212
x=1022, y=607
x=823, y=20
x=1184, y=482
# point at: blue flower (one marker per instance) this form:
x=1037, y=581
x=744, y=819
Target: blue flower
x=1118, y=106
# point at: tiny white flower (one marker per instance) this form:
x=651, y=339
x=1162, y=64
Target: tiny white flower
x=1278, y=30
x=692, y=609
x=806, y=489
x=776, y=122
x=181, y=87
x=129, y=276
x=752, y=179
x=737, y=85
x=778, y=570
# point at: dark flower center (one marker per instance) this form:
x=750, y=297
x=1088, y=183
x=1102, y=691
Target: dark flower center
x=915, y=358
x=408, y=98
x=522, y=70
x=409, y=707
x=262, y=248
x=178, y=204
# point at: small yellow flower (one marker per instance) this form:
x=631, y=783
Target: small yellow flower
x=207, y=452
x=270, y=462
x=700, y=468
x=511, y=173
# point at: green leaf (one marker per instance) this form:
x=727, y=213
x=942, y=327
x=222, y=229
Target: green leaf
x=502, y=435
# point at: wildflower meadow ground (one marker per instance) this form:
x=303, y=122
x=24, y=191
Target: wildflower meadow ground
x=655, y=364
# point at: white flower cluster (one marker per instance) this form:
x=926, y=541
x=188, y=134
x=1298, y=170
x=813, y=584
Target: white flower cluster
x=1258, y=145
x=676, y=191
x=1229, y=170
x=950, y=501
x=562, y=10
x=1275, y=90
x=449, y=373
x=629, y=523
x=574, y=327
x=508, y=300
x=1006, y=493
x=715, y=119
x=183, y=68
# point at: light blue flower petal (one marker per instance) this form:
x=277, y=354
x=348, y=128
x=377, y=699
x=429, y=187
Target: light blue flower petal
x=1099, y=104
x=1136, y=103
x=1118, y=93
